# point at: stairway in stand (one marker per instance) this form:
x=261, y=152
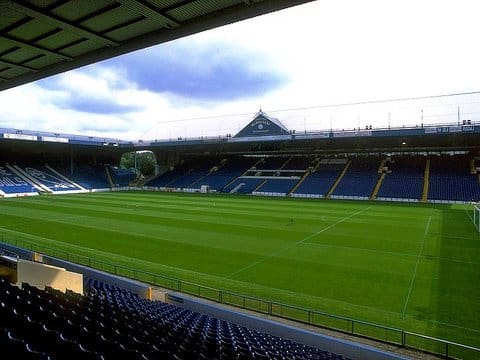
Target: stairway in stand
x=335, y=184
x=426, y=182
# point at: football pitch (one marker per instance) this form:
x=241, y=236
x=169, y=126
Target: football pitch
x=410, y=266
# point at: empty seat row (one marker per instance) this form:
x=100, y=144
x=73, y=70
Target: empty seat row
x=112, y=323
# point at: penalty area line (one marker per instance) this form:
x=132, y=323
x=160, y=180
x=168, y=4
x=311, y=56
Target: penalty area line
x=416, y=267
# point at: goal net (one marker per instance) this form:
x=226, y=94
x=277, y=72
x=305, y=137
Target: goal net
x=476, y=217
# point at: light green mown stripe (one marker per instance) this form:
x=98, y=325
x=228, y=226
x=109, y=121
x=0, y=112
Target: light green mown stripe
x=208, y=216
x=149, y=230
x=272, y=213
x=160, y=216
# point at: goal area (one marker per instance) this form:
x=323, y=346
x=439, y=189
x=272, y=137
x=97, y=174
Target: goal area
x=476, y=217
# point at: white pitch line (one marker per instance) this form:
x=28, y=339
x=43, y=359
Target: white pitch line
x=452, y=236
x=37, y=220
x=473, y=221
x=397, y=254
x=416, y=267
x=469, y=215
x=275, y=253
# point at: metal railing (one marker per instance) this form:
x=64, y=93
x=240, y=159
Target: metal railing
x=360, y=328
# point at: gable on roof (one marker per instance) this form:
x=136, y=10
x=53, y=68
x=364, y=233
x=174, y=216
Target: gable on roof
x=263, y=125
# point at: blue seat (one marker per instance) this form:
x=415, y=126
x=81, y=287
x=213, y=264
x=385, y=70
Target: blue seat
x=112, y=323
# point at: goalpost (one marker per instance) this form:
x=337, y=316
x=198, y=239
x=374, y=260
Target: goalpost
x=476, y=216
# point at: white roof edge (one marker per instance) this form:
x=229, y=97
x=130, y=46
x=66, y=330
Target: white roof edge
x=272, y=119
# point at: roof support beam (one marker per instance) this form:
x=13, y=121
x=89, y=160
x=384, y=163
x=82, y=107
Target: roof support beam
x=17, y=66
x=37, y=48
x=156, y=33
x=130, y=22
x=177, y=5
x=59, y=23
x=148, y=11
x=98, y=12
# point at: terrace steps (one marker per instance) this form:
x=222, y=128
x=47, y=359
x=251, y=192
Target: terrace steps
x=235, y=189
x=109, y=177
x=473, y=169
x=22, y=174
x=235, y=178
x=213, y=170
x=153, y=177
x=199, y=179
x=260, y=185
x=377, y=186
x=178, y=178
x=340, y=177
x=254, y=166
x=315, y=165
x=65, y=178
x=285, y=163
x=382, y=165
x=229, y=183
x=426, y=177
x=299, y=183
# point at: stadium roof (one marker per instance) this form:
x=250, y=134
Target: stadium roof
x=263, y=125
x=40, y=38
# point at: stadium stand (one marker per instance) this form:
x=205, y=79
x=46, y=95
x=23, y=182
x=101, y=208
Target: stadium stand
x=185, y=173
x=298, y=163
x=198, y=170
x=451, y=179
x=11, y=183
x=48, y=179
x=360, y=178
x=114, y=323
x=227, y=171
x=322, y=178
x=169, y=176
x=195, y=335
x=278, y=186
x=404, y=178
x=9, y=253
x=88, y=176
x=243, y=185
x=279, y=175
x=245, y=175
x=122, y=177
x=272, y=163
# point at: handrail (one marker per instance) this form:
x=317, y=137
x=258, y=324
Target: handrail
x=445, y=341
x=386, y=334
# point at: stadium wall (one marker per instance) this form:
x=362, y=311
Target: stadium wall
x=41, y=275
x=132, y=285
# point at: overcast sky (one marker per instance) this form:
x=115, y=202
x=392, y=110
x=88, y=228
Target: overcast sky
x=324, y=52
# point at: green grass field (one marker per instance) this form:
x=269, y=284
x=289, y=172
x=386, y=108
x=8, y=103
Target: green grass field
x=411, y=266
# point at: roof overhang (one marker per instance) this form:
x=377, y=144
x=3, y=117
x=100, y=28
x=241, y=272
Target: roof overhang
x=40, y=38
